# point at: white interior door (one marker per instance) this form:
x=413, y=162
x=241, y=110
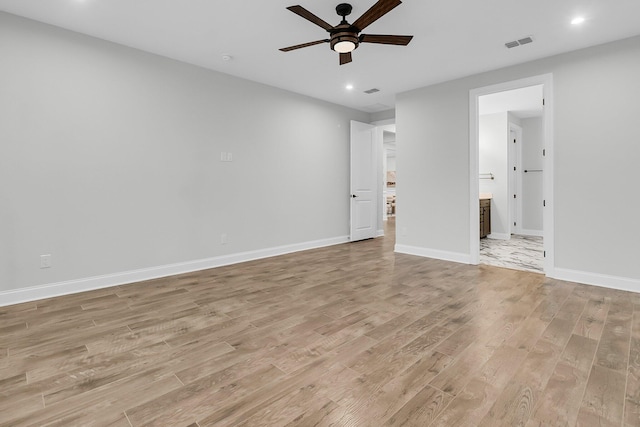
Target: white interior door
x=515, y=182
x=364, y=195
x=513, y=178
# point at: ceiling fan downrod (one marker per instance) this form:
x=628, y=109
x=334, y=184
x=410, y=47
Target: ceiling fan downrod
x=344, y=10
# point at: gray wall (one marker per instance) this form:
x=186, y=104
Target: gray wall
x=110, y=160
x=597, y=152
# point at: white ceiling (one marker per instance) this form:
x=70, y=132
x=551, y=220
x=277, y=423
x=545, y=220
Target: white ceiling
x=523, y=103
x=451, y=38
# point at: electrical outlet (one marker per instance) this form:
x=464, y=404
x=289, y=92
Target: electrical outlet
x=223, y=239
x=45, y=261
x=226, y=157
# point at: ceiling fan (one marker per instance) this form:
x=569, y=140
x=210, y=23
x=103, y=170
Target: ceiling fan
x=345, y=37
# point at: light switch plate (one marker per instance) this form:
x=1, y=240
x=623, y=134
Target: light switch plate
x=45, y=261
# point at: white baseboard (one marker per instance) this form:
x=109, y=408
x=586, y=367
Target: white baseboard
x=536, y=233
x=433, y=253
x=17, y=296
x=595, y=279
x=499, y=236
x=602, y=280
x=380, y=233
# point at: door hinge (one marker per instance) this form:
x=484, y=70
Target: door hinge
x=544, y=152
x=514, y=196
x=514, y=223
x=544, y=254
x=514, y=141
x=514, y=168
x=543, y=102
x=544, y=203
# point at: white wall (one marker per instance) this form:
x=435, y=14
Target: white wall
x=513, y=119
x=532, y=194
x=492, y=155
x=596, y=162
x=391, y=163
x=381, y=116
x=110, y=160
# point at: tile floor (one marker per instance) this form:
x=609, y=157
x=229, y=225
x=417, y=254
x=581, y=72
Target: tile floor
x=520, y=253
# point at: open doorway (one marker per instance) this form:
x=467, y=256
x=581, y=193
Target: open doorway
x=389, y=174
x=510, y=136
x=511, y=175
x=372, y=156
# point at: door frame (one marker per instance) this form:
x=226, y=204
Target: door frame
x=548, y=177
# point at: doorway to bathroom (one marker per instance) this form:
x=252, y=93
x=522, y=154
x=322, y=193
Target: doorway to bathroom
x=511, y=137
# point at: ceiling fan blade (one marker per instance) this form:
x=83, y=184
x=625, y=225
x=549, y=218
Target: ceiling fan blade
x=385, y=39
x=299, y=46
x=301, y=11
x=345, y=58
x=377, y=11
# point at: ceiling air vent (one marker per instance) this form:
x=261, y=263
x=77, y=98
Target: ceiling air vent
x=520, y=42
x=370, y=91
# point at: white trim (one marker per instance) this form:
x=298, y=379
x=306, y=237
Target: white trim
x=474, y=179
x=434, y=253
x=16, y=296
x=535, y=233
x=518, y=190
x=474, y=203
x=380, y=232
x=385, y=122
x=595, y=279
x=499, y=236
x=548, y=226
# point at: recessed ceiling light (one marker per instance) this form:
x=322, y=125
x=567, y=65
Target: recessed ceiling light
x=577, y=20
x=349, y=87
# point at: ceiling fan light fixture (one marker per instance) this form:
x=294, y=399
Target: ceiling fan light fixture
x=344, y=46
x=344, y=42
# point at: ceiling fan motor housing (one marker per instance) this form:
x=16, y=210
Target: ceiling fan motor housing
x=344, y=33
x=344, y=9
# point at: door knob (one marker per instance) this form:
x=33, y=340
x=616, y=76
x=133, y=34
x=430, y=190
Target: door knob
x=353, y=196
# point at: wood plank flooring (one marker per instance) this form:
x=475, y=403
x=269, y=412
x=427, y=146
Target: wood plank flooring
x=350, y=335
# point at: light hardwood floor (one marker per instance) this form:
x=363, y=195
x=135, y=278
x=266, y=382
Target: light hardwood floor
x=350, y=335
